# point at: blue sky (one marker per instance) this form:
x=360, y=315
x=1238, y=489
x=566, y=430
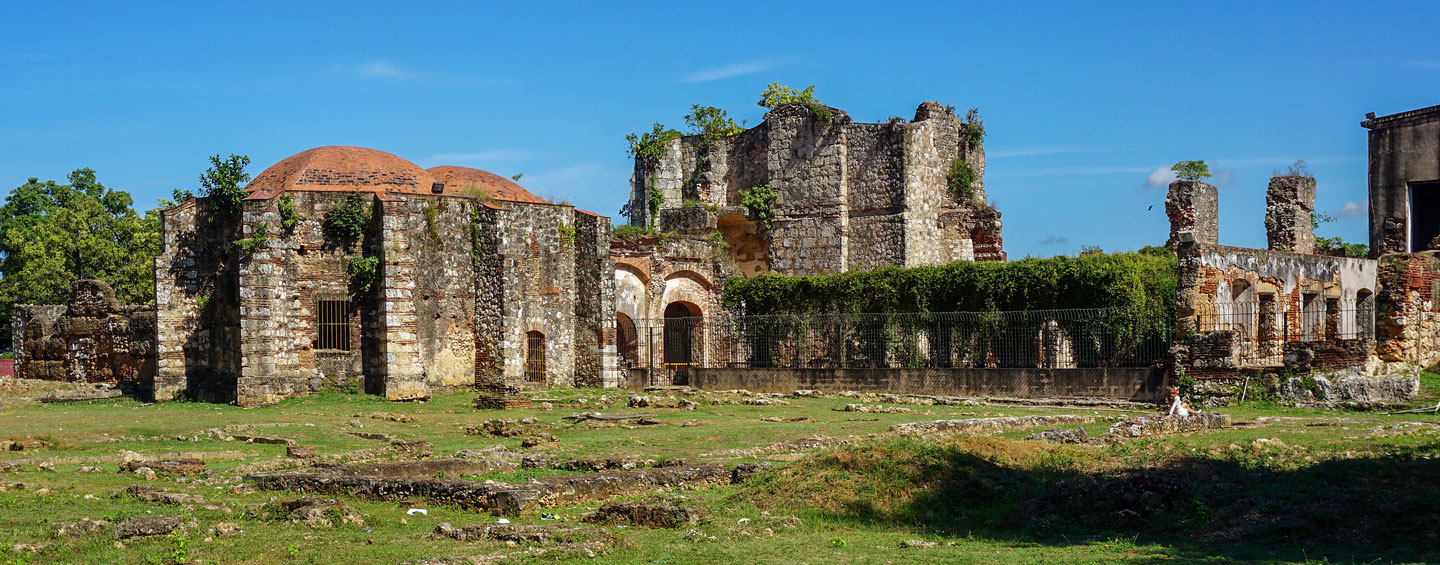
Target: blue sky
x=1082, y=101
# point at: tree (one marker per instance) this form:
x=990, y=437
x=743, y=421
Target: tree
x=777, y=94
x=1191, y=170
x=712, y=123
x=224, y=183
x=52, y=234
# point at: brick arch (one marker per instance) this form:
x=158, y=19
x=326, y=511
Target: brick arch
x=632, y=295
x=695, y=276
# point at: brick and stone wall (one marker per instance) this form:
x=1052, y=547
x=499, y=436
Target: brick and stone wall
x=1289, y=205
x=1404, y=149
x=94, y=338
x=1407, y=317
x=851, y=195
x=197, y=302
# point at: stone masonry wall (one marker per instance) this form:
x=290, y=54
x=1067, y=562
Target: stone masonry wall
x=539, y=290
x=197, y=304
x=1289, y=203
x=93, y=338
x=1407, y=314
x=445, y=288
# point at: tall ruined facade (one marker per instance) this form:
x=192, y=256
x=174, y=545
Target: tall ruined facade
x=849, y=196
x=852, y=196
x=471, y=280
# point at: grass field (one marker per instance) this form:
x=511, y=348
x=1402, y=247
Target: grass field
x=1282, y=484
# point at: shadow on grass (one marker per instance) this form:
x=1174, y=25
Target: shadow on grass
x=1200, y=508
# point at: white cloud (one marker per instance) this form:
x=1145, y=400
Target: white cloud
x=1054, y=240
x=1351, y=209
x=1223, y=178
x=1159, y=177
x=482, y=156
x=382, y=69
x=732, y=70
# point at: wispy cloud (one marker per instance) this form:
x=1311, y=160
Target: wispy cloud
x=1054, y=240
x=1159, y=177
x=382, y=69
x=482, y=156
x=1351, y=209
x=732, y=70
x=1035, y=152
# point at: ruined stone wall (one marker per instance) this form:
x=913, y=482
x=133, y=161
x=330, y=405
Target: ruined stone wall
x=488, y=266
x=1407, y=317
x=1289, y=205
x=653, y=272
x=1404, y=149
x=197, y=304
x=93, y=338
x=445, y=288
x=850, y=195
x=539, y=289
x=595, y=354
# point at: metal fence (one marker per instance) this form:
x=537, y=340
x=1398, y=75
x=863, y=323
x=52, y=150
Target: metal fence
x=1034, y=339
x=1260, y=329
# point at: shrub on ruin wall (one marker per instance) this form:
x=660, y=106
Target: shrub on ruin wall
x=345, y=224
x=1140, y=282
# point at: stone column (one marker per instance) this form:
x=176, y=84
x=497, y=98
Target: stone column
x=404, y=376
x=1289, y=203
x=263, y=330
x=1193, y=207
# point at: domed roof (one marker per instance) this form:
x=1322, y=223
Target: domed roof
x=339, y=167
x=458, y=180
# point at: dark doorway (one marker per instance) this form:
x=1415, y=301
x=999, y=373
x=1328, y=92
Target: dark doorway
x=1424, y=215
x=682, y=327
x=626, y=339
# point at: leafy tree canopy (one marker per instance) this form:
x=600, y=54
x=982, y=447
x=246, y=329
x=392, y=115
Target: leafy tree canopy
x=1191, y=170
x=224, y=183
x=712, y=123
x=52, y=234
x=777, y=94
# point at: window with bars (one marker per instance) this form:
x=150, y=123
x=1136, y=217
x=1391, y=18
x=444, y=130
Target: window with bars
x=535, y=357
x=333, y=320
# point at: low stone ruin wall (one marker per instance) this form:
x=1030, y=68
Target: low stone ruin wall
x=93, y=339
x=404, y=480
x=1137, y=384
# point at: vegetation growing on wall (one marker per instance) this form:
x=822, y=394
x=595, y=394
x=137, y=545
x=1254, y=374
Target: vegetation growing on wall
x=256, y=242
x=711, y=123
x=1191, y=170
x=778, y=94
x=567, y=234
x=960, y=179
x=630, y=232
x=1142, y=282
x=972, y=129
x=760, y=201
x=288, y=218
x=224, y=184
x=649, y=147
x=363, y=273
x=345, y=224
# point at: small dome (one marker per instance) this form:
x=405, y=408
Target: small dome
x=459, y=180
x=338, y=167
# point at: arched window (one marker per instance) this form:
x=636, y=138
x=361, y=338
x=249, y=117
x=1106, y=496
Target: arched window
x=627, y=343
x=534, y=357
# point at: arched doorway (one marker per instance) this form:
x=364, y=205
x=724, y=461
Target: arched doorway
x=535, y=357
x=682, y=340
x=627, y=340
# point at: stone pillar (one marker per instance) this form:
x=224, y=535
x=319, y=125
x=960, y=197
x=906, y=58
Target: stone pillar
x=404, y=376
x=1289, y=203
x=1193, y=207
x=264, y=331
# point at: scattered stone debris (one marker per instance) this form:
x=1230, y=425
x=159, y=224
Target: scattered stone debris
x=60, y=396
x=1057, y=435
x=787, y=446
x=1355, y=393
x=145, y=473
x=647, y=514
x=312, y=512
x=82, y=528
x=587, y=549
x=743, y=471
x=416, y=448
x=495, y=428
x=24, y=445
x=1143, y=426
x=865, y=408
x=502, y=403
x=765, y=402
x=138, y=526
x=373, y=436
x=791, y=419
x=805, y=393
x=588, y=416
x=162, y=496
x=972, y=425
x=301, y=451
x=922, y=544
x=226, y=529
x=90, y=469
x=501, y=498
x=536, y=441
x=167, y=467
x=519, y=533
x=402, y=418
x=29, y=547
x=693, y=423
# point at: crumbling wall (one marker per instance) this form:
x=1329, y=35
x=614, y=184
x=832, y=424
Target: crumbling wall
x=595, y=354
x=1289, y=205
x=445, y=288
x=91, y=339
x=1407, y=315
x=197, y=304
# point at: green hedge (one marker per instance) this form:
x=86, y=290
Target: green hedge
x=1142, y=282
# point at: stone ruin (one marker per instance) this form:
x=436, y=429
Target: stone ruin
x=92, y=339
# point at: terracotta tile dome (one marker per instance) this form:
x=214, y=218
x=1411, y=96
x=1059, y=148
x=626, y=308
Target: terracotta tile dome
x=338, y=167
x=458, y=180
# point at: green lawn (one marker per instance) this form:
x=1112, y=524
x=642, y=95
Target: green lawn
x=1336, y=486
